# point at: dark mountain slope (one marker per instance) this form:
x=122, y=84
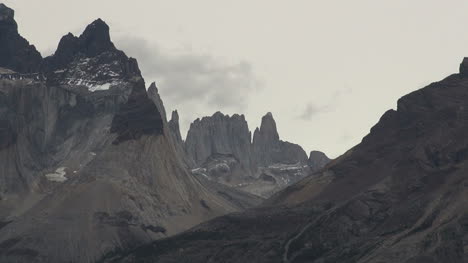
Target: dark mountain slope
x=399, y=196
x=15, y=52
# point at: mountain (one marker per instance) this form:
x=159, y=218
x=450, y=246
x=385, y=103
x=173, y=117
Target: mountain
x=88, y=162
x=219, y=134
x=15, y=52
x=221, y=149
x=269, y=149
x=398, y=196
x=317, y=160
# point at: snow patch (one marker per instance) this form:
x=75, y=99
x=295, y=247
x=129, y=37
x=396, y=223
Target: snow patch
x=58, y=176
x=104, y=86
x=93, y=85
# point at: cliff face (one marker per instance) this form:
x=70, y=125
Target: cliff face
x=221, y=149
x=317, y=160
x=398, y=196
x=15, y=52
x=175, y=128
x=88, y=164
x=219, y=134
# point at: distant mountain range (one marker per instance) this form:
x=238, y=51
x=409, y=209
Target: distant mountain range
x=91, y=170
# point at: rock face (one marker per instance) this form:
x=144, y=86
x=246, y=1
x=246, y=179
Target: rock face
x=317, y=160
x=398, y=196
x=175, y=128
x=464, y=68
x=15, y=52
x=221, y=149
x=219, y=134
x=269, y=149
x=87, y=160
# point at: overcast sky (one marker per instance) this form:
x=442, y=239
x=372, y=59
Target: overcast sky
x=327, y=70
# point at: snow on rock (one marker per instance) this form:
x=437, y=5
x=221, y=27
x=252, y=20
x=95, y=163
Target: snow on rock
x=58, y=176
x=92, y=73
x=93, y=85
x=104, y=86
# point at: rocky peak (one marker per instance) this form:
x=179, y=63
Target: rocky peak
x=67, y=48
x=464, y=68
x=90, y=60
x=219, y=134
x=7, y=16
x=318, y=160
x=142, y=114
x=15, y=52
x=268, y=128
x=174, y=126
x=96, y=39
x=153, y=93
x=269, y=149
x=265, y=140
x=175, y=116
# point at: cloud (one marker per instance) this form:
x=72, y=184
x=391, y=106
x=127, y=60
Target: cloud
x=311, y=110
x=191, y=78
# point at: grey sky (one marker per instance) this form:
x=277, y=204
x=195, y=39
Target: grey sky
x=326, y=69
x=193, y=80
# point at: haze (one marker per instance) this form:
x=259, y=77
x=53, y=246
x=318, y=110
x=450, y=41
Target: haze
x=327, y=70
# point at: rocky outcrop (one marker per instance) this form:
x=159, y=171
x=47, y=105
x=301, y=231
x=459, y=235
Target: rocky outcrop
x=464, y=68
x=90, y=62
x=266, y=141
x=221, y=149
x=398, y=196
x=219, y=134
x=94, y=41
x=269, y=149
x=15, y=52
x=317, y=160
x=87, y=161
x=175, y=128
x=137, y=117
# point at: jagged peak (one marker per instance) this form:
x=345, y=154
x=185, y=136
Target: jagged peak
x=153, y=87
x=268, y=125
x=175, y=116
x=6, y=14
x=268, y=116
x=94, y=41
x=15, y=52
x=218, y=115
x=96, y=38
x=67, y=44
x=464, y=67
